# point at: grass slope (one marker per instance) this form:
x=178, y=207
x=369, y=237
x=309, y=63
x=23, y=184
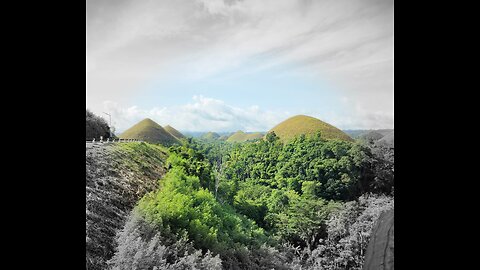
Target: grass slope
x=117, y=176
x=149, y=131
x=302, y=124
x=210, y=136
x=241, y=136
x=224, y=137
x=177, y=134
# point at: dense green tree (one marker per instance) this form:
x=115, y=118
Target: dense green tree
x=184, y=205
x=268, y=204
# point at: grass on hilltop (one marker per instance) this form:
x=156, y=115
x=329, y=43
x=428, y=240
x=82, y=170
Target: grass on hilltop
x=302, y=124
x=210, y=136
x=177, y=134
x=241, y=136
x=149, y=131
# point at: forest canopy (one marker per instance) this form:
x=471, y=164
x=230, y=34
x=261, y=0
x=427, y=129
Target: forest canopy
x=266, y=204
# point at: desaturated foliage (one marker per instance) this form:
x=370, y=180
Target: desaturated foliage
x=383, y=162
x=348, y=233
x=96, y=127
x=117, y=176
x=141, y=246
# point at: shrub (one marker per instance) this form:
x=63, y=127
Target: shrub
x=96, y=127
x=349, y=232
x=142, y=246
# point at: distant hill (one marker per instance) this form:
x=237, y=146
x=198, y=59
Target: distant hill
x=210, y=136
x=357, y=133
x=385, y=132
x=241, y=136
x=371, y=136
x=193, y=134
x=177, y=134
x=149, y=131
x=302, y=124
x=225, y=137
x=387, y=140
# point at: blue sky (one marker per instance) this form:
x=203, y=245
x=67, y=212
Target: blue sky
x=224, y=65
x=269, y=89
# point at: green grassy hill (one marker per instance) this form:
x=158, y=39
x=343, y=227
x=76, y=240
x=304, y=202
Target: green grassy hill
x=302, y=124
x=149, y=131
x=241, y=136
x=177, y=134
x=210, y=136
x=224, y=137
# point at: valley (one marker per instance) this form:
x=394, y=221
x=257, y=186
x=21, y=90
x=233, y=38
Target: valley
x=302, y=200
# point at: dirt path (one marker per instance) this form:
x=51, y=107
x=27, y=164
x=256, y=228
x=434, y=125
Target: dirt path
x=380, y=251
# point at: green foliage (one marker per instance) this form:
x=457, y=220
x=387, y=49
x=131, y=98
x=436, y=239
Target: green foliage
x=303, y=223
x=262, y=205
x=183, y=205
x=250, y=200
x=271, y=137
x=193, y=163
x=338, y=169
x=291, y=189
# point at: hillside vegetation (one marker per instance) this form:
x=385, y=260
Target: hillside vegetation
x=96, y=127
x=177, y=134
x=149, y=131
x=241, y=136
x=387, y=140
x=117, y=176
x=309, y=126
x=309, y=203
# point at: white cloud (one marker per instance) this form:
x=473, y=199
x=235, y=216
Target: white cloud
x=131, y=43
x=356, y=116
x=209, y=114
x=218, y=34
x=202, y=114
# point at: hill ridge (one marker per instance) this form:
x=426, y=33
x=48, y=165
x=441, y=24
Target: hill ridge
x=177, y=134
x=149, y=131
x=241, y=136
x=308, y=125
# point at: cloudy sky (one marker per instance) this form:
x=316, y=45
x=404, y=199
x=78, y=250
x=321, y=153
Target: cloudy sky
x=225, y=65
